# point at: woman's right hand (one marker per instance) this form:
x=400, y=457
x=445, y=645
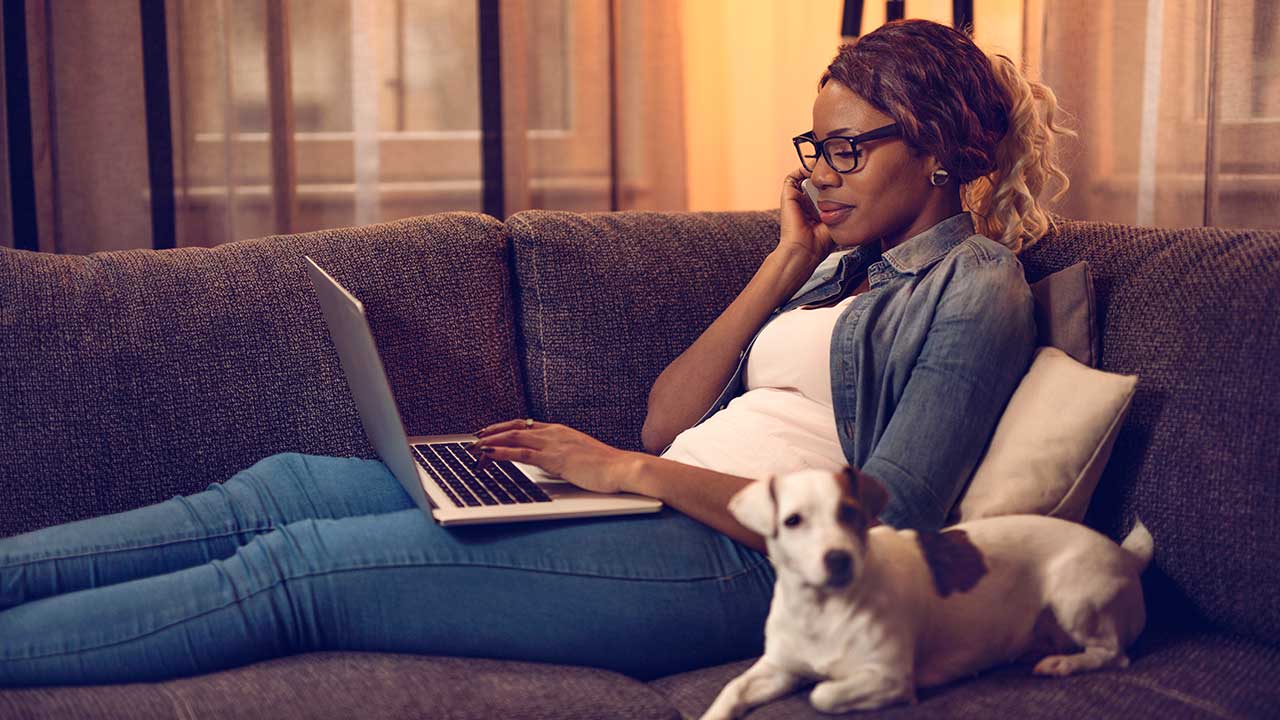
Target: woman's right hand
x=799, y=231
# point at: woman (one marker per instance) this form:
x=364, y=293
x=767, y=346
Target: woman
x=900, y=361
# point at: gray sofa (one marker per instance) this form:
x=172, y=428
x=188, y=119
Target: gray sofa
x=129, y=377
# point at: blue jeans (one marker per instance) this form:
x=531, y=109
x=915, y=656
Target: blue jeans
x=301, y=552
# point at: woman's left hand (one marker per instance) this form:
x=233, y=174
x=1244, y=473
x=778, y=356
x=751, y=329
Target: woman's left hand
x=574, y=456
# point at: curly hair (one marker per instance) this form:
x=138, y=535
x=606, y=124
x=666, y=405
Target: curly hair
x=976, y=113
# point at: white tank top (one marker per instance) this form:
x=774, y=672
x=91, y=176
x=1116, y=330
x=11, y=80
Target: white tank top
x=784, y=420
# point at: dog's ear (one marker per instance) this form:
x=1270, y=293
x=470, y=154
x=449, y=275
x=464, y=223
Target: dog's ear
x=868, y=490
x=756, y=507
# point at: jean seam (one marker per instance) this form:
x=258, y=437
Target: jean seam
x=933, y=496
x=106, y=551
x=378, y=566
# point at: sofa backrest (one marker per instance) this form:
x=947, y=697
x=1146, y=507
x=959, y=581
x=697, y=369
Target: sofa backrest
x=1192, y=312
x=607, y=300
x=132, y=376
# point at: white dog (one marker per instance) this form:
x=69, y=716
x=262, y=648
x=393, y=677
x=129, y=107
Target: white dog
x=873, y=613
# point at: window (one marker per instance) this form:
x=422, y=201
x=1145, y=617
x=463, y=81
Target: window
x=423, y=58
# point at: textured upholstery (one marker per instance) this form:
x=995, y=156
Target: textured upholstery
x=607, y=300
x=132, y=376
x=1192, y=313
x=1187, y=310
x=1179, y=676
x=105, y=358
x=369, y=686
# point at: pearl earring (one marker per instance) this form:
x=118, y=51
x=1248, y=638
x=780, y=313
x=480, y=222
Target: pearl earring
x=939, y=177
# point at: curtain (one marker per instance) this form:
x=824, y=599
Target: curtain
x=751, y=70
x=297, y=115
x=1177, y=103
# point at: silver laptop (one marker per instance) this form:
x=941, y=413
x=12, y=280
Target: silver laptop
x=438, y=471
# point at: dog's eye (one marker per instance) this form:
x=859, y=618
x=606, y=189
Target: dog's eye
x=792, y=520
x=848, y=513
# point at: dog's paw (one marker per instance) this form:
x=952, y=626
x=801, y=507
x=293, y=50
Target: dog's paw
x=828, y=698
x=841, y=697
x=1055, y=666
x=1064, y=665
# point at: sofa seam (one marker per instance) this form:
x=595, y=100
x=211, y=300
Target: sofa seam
x=514, y=290
x=1184, y=698
x=537, y=289
x=180, y=705
x=542, y=339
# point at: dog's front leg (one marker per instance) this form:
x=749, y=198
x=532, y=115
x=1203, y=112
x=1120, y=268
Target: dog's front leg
x=761, y=683
x=867, y=688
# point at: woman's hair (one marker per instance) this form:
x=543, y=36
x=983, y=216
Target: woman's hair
x=974, y=112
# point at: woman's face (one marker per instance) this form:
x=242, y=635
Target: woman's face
x=889, y=191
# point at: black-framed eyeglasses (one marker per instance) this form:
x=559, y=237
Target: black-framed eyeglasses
x=840, y=151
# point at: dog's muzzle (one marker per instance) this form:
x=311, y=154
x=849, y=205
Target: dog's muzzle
x=839, y=567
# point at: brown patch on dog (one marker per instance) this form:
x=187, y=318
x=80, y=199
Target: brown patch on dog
x=954, y=561
x=862, y=497
x=866, y=490
x=852, y=515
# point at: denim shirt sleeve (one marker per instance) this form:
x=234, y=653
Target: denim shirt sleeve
x=977, y=350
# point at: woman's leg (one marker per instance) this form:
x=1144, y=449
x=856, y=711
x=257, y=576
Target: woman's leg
x=192, y=530
x=647, y=595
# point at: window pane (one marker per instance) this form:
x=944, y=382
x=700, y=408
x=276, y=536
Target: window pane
x=320, y=39
x=549, y=65
x=439, y=65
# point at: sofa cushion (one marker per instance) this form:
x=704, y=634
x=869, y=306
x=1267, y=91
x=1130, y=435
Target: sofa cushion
x=359, y=685
x=607, y=300
x=1175, y=676
x=1191, y=312
x=132, y=376
x=1065, y=314
x=1052, y=441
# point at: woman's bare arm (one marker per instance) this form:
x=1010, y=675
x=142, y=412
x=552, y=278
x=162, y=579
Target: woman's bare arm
x=592, y=465
x=697, y=492
x=688, y=386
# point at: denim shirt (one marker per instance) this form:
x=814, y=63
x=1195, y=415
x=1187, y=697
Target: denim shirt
x=922, y=363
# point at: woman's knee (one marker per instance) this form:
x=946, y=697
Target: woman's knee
x=330, y=486
x=291, y=468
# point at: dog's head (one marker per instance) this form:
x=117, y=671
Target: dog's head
x=814, y=522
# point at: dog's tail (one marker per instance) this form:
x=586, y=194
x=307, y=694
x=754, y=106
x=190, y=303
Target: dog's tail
x=1139, y=543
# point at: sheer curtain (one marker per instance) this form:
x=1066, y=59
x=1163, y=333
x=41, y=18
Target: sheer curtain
x=386, y=112
x=296, y=115
x=751, y=75
x=1177, y=103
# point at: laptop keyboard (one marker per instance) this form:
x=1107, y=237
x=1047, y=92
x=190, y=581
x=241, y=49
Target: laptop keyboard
x=500, y=483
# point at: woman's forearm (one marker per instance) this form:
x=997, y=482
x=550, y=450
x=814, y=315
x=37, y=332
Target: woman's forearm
x=697, y=492
x=688, y=386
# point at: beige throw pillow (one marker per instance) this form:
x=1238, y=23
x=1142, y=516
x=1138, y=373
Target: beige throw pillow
x=1051, y=443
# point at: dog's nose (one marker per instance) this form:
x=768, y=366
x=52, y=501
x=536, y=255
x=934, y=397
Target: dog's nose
x=838, y=563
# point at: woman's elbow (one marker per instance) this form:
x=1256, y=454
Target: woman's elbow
x=651, y=439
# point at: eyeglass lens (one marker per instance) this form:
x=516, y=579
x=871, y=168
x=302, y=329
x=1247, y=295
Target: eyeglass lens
x=841, y=155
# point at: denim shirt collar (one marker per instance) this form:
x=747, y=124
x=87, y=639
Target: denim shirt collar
x=909, y=257
x=836, y=272
x=922, y=249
